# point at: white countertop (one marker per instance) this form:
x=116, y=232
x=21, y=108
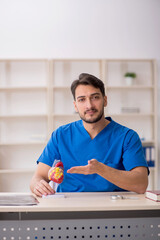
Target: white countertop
x=98, y=201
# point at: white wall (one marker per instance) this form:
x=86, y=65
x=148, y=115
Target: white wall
x=80, y=29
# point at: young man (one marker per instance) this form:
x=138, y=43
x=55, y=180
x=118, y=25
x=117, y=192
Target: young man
x=98, y=154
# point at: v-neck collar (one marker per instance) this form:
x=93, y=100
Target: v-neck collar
x=109, y=125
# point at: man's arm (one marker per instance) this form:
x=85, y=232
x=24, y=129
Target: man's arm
x=135, y=180
x=39, y=183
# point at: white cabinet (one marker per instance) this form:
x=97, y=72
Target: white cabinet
x=35, y=99
x=23, y=120
x=135, y=105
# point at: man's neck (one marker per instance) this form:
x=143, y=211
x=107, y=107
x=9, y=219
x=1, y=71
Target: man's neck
x=94, y=129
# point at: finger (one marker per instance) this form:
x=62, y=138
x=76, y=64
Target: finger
x=43, y=188
x=37, y=193
x=48, y=187
x=92, y=161
x=79, y=170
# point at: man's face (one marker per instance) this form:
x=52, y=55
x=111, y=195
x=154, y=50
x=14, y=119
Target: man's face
x=89, y=103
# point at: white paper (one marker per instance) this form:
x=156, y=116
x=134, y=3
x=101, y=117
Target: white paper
x=54, y=196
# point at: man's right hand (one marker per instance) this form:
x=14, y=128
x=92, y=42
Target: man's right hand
x=42, y=188
x=39, y=183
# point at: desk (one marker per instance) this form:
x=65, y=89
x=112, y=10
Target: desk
x=83, y=216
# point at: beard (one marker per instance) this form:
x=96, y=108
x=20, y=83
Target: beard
x=94, y=119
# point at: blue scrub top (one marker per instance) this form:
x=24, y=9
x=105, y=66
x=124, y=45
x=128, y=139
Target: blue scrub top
x=116, y=146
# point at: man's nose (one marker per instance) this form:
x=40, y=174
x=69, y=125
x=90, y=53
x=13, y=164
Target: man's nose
x=89, y=103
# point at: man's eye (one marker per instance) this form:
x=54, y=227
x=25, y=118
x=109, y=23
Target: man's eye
x=81, y=100
x=95, y=97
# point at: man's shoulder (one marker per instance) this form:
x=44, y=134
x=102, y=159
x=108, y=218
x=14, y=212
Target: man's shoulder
x=122, y=128
x=124, y=133
x=69, y=126
x=65, y=130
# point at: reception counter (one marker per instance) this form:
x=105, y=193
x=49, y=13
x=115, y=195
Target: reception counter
x=82, y=216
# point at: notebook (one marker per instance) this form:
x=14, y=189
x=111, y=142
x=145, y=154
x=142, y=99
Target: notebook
x=153, y=195
x=17, y=200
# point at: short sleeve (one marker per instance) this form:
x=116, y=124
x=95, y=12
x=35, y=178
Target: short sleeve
x=133, y=155
x=50, y=152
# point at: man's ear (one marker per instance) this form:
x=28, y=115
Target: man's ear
x=75, y=106
x=105, y=101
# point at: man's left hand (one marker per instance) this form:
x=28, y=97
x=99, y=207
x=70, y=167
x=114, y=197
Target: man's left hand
x=91, y=168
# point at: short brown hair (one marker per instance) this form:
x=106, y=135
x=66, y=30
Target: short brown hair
x=87, y=79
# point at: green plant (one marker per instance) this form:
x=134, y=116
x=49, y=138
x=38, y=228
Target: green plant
x=130, y=74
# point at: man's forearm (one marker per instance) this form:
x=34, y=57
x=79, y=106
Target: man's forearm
x=34, y=181
x=135, y=180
